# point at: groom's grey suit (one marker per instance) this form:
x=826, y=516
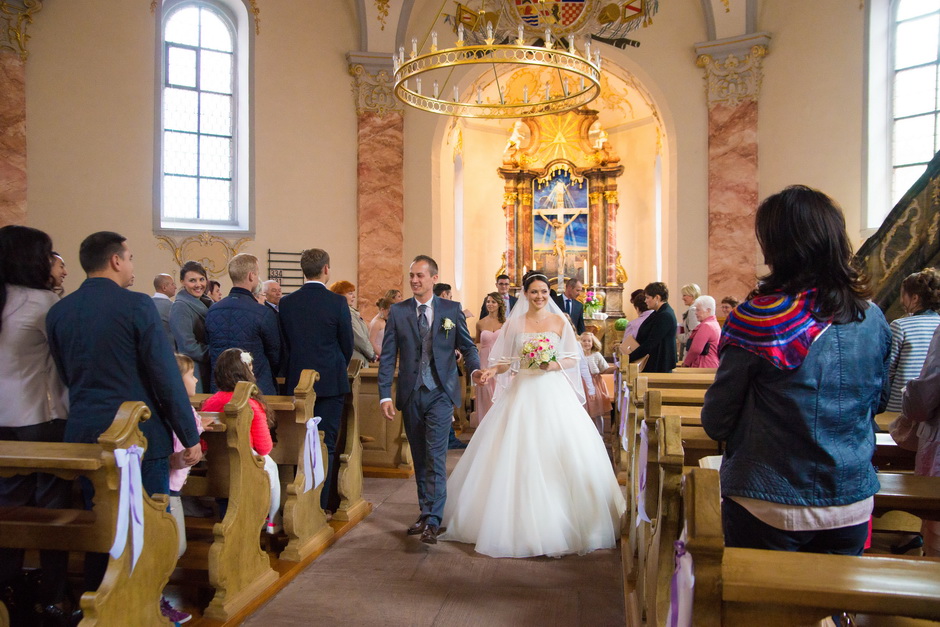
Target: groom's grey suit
x=428, y=387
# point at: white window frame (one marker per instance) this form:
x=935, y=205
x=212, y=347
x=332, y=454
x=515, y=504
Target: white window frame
x=235, y=13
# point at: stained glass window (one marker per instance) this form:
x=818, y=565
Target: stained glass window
x=916, y=102
x=198, y=130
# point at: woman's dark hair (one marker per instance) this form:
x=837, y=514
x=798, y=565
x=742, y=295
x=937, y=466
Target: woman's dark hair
x=926, y=286
x=213, y=284
x=657, y=289
x=193, y=266
x=802, y=234
x=638, y=300
x=25, y=260
x=230, y=369
x=730, y=300
x=532, y=277
x=500, y=306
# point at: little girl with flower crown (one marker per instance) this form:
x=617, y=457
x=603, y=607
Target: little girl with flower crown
x=232, y=366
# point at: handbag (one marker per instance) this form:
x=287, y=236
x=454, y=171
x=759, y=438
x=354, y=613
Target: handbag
x=904, y=431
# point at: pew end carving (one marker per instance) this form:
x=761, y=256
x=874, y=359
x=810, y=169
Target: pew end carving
x=352, y=506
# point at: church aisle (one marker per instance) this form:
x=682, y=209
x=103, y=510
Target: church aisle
x=376, y=575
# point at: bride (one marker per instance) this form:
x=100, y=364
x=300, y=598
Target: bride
x=535, y=479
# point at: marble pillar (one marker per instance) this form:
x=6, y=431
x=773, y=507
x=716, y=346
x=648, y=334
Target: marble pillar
x=733, y=74
x=380, y=189
x=12, y=139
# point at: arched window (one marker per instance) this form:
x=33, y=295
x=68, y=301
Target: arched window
x=203, y=178
x=915, y=116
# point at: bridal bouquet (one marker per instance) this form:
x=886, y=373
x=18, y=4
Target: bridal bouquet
x=538, y=350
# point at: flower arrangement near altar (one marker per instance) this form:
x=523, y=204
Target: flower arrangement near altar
x=593, y=302
x=537, y=351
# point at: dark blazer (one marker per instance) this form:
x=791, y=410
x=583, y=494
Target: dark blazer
x=318, y=332
x=657, y=338
x=401, y=340
x=238, y=321
x=484, y=313
x=577, y=311
x=163, y=308
x=109, y=346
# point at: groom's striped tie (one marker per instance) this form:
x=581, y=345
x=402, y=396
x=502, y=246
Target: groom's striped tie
x=427, y=378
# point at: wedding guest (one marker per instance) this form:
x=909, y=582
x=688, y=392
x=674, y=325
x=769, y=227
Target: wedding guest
x=638, y=300
x=58, y=274
x=569, y=303
x=239, y=321
x=920, y=421
x=164, y=289
x=35, y=404
x=188, y=320
x=214, y=292
x=271, y=290
x=488, y=329
x=703, y=342
x=599, y=405
x=803, y=370
x=318, y=330
x=442, y=290
x=362, y=345
x=657, y=335
x=502, y=288
x=377, y=325
x=910, y=335
x=727, y=304
x=394, y=296
x=689, y=293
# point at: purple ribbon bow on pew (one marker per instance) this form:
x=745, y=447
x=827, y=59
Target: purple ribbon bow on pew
x=681, y=588
x=313, y=463
x=130, y=504
x=642, y=456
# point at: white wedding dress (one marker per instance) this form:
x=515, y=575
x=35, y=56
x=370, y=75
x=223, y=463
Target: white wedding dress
x=536, y=478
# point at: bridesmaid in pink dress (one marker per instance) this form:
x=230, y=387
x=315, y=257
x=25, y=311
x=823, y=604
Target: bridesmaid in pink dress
x=488, y=329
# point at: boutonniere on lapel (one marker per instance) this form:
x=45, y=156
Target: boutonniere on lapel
x=447, y=324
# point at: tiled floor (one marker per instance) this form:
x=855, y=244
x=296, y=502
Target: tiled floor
x=377, y=575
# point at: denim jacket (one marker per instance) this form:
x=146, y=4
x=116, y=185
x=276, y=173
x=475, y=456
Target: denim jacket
x=804, y=436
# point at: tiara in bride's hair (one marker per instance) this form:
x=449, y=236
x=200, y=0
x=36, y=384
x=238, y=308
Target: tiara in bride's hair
x=533, y=275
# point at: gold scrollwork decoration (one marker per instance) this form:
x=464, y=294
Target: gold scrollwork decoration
x=15, y=18
x=621, y=273
x=212, y=251
x=595, y=198
x=509, y=198
x=373, y=92
x=502, y=266
x=611, y=196
x=733, y=80
x=382, y=7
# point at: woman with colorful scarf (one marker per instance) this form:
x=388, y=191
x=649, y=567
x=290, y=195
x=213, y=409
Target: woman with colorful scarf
x=804, y=369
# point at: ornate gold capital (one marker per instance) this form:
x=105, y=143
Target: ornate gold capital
x=373, y=91
x=595, y=198
x=611, y=196
x=15, y=17
x=212, y=251
x=735, y=79
x=525, y=199
x=509, y=198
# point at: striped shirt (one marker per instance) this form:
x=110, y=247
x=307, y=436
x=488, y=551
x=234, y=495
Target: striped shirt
x=910, y=338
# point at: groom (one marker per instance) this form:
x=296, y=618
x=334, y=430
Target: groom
x=423, y=332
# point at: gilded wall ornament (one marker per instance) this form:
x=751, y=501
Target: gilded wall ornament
x=373, y=92
x=509, y=198
x=502, y=266
x=733, y=80
x=211, y=251
x=382, y=7
x=595, y=198
x=621, y=273
x=611, y=196
x=15, y=18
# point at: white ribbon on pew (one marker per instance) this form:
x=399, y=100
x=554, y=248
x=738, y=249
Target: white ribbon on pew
x=313, y=462
x=642, y=456
x=681, y=587
x=130, y=504
x=624, y=403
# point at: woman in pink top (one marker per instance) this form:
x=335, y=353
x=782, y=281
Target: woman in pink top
x=232, y=366
x=703, y=342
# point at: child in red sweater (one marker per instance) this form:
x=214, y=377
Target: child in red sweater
x=232, y=366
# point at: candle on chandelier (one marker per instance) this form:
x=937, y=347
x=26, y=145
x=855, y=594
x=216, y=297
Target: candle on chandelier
x=587, y=50
x=565, y=85
x=489, y=30
x=456, y=94
x=525, y=94
x=571, y=44
x=479, y=95
x=418, y=88
x=435, y=90
x=401, y=54
x=434, y=39
x=548, y=93
x=414, y=46
x=520, y=39
x=460, y=32
x=548, y=38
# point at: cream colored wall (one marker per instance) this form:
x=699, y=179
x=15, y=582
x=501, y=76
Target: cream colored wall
x=90, y=112
x=811, y=101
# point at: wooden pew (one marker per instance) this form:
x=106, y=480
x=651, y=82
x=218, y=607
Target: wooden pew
x=385, y=448
x=126, y=596
x=238, y=569
x=352, y=507
x=304, y=521
x=747, y=586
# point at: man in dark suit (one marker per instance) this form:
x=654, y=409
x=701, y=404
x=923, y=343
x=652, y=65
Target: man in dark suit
x=238, y=321
x=109, y=347
x=318, y=332
x=271, y=290
x=422, y=335
x=569, y=303
x=502, y=286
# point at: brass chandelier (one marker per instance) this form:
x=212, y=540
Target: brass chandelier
x=545, y=38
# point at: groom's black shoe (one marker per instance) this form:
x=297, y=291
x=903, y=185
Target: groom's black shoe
x=418, y=528
x=430, y=534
